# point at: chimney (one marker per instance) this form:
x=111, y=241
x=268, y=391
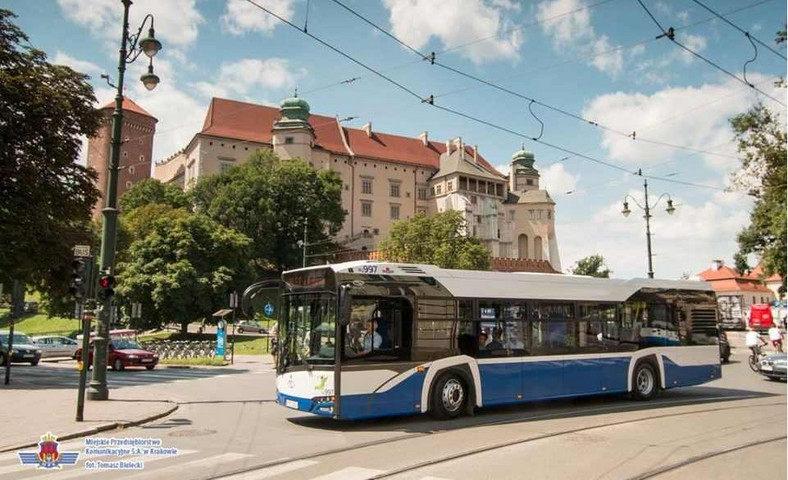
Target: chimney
x=448, y=147
x=458, y=143
x=717, y=264
x=368, y=128
x=424, y=138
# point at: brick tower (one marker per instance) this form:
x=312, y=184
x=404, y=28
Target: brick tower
x=136, y=149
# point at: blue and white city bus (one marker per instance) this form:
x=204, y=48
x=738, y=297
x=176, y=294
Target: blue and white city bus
x=369, y=339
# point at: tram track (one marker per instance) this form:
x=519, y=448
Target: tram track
x=487, y=448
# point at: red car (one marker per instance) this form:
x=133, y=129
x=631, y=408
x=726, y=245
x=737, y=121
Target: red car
x=124, y=352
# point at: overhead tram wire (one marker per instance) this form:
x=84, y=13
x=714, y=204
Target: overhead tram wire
x=428, y=101
x=746, y=33
x=670, y=34
x=431, y=59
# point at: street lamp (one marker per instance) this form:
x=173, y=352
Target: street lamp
x=131, y=47
x=647, y=209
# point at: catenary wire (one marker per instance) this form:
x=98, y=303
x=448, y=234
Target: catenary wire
x=670, y=34
x=428, y=101
x=431, y=59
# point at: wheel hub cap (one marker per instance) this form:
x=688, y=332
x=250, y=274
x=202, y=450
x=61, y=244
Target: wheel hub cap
x=452, y=395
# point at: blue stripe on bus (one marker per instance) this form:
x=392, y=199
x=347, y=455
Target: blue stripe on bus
x=676, y=375
x=402, y=399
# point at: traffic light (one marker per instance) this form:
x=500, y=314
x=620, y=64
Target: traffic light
x=78, y=287
x=107, y=285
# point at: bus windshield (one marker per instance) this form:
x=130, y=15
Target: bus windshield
x=309, y=329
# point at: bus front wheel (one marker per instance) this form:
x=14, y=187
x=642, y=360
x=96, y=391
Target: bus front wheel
x=449, y=397
x=645, y=381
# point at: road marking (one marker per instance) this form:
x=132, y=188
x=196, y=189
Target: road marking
x=79, y=470
x=351, y=473
x=272, y=471
x=180, y=469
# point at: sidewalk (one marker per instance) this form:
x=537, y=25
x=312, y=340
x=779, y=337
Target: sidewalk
x=28, y=414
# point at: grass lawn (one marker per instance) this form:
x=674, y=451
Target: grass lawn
x=40, y=324
x=208, y=361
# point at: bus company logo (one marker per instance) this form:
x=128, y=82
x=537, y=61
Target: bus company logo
x=387, y=270
x=48, y=457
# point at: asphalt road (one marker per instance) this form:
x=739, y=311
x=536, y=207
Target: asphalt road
x=228, y=425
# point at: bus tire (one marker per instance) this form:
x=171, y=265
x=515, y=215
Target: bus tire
x=645, y=381
x=449, y=397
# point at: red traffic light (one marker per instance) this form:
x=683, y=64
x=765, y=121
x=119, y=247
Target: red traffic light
x=107, y=281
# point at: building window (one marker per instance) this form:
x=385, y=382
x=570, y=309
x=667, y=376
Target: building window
x=394, y=189
x=549, y=214
x=511, y=215
x=463, y=183
x=450, y=186
x=288, y=140
x=529, y=182
x=224, y=166
x=131, y=170
x=366, y=186
x=478, y=218
x=422, y=193
x=366, y=209
x=474, y=199
x=437, y=189
x=395, y=212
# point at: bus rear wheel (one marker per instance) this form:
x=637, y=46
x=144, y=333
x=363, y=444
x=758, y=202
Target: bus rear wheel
x=449, y=397
x=645, y=383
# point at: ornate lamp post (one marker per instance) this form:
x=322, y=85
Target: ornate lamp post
x=647, y=209
x=131, y=46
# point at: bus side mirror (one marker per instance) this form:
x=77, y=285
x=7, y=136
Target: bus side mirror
x=345, y=299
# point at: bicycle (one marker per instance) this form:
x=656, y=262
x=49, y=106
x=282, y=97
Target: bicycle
x=754, y=360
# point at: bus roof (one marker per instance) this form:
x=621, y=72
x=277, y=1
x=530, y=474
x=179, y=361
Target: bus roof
x=507, y=285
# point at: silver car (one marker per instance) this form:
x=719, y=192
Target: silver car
x=56, y=346
x=774, y=366
x=249, y=326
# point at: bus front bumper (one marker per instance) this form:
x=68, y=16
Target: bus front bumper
x=319, y=405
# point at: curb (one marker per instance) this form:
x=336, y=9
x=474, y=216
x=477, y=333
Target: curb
x=100, y=428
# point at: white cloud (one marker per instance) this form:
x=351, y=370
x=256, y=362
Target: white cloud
x=81, y=66
x=177, y=21
x=684, y=242
x=244, y=76
x=704, y=126
x=557, y=180
x=456, y=22
x=241, y=16
x=683, y=16
x=574, y=33
x=504, y=169
x=696, y=43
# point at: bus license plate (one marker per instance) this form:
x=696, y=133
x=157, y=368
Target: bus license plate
x=291, y=404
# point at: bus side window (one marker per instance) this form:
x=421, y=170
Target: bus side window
x=467, y=338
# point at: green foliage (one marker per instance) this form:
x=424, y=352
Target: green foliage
x=762, y=145
x=42, y=324
x=593, y=266
x=151, y=191
x=183, y=268
x=438, y=240
x=267, y=199
x=46, y=196
x=741, y=264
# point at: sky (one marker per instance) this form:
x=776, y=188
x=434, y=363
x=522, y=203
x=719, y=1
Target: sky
x=595, y=59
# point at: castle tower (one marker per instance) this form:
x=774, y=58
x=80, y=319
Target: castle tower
x=136, y=149
x=523, y=176
x=293, y=136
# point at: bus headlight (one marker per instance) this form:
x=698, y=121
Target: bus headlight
x=325, y=399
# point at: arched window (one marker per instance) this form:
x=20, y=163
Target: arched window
x=522, y=246
x=538, y=248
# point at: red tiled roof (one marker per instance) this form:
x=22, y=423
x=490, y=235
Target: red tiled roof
x=757, y=272
x=128, y=105
x=727, y=285
x=723, y=273
x=251, y=122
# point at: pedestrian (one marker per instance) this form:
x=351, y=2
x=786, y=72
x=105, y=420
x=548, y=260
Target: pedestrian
x=754, y=341
x=776, y=337
x=274, y=332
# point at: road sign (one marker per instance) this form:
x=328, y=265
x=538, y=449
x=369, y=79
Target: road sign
x=268, y=309
x=82, y=251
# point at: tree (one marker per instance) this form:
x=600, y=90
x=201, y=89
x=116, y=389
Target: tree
x=762, y=144
x=45, y=196
x=268, y=200
x=183, y=269
x=741, y=264
x=592, y=265
x=438, y=240
x=152, y=191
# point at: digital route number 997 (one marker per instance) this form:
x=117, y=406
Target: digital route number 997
x=369, y=269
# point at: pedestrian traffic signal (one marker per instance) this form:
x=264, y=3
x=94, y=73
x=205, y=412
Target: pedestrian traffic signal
x=78, y=287
x=107, y=285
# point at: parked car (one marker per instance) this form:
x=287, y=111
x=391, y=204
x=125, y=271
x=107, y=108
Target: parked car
x=124, y=352
x=30, y=307
x=24, y=351
x=56, y=346
x=773, y=366
x=725, y=347
x=249, y=326
x=761, y=317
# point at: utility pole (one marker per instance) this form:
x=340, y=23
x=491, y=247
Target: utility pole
x=646, y=207
x=303, y=245
x=150, y=46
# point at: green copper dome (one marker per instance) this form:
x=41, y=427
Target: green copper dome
x=523, y=162
x=295, y=114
